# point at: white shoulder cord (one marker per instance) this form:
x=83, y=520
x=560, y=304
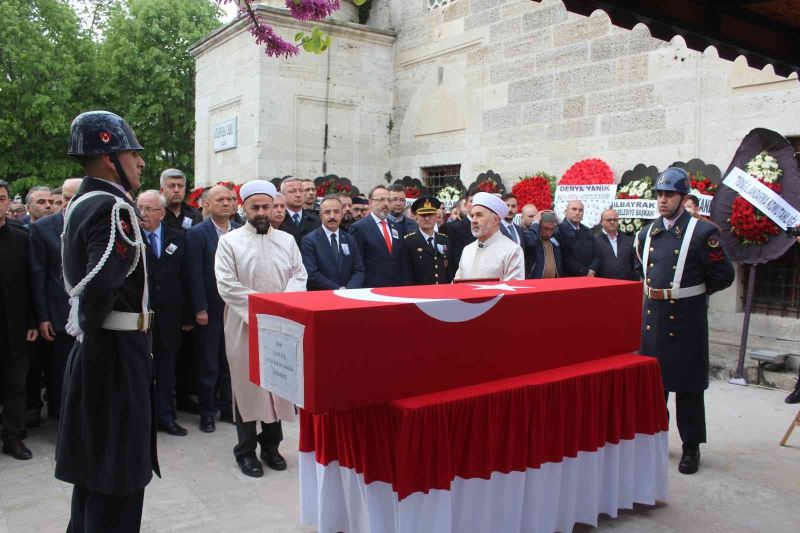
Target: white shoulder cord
x=116, y=222
x=73, y=327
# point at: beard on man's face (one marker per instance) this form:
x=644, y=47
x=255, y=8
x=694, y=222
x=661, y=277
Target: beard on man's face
x=261, y=223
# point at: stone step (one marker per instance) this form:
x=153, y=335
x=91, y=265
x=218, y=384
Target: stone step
x=724, y=356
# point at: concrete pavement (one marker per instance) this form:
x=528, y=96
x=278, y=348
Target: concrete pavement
x=746, y=482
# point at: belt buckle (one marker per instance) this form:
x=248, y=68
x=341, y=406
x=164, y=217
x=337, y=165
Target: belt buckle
x=658, y=294
x=145, y=319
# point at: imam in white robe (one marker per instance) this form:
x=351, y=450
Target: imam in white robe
x=247, y=263
x=498, y=258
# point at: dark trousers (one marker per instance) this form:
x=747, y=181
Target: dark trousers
x=95, y=512
x=212, y=368
x=58, y=353
x=164, y=355
x=690, y=415
x=270, y=437
x=13, y=369
x=185, y=369
x=37, y=366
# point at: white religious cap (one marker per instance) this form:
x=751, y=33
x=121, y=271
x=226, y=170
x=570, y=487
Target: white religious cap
x=257, y=187
x=491, y=202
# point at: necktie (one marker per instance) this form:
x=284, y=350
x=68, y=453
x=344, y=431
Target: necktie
x=430, y=243
x=154, y=245
x=386, y=236
x=296, y=218
x=335, y=247
x=511, y=232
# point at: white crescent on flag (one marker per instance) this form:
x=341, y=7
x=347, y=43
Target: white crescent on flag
x=444, y=310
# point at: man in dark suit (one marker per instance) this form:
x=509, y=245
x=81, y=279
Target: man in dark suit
x=578, y=252
x=299, y=222
x=546, y=261
x=212, y=365
x=166, y=248
x=309, y=196
x=50, y=299
x=17, y=328
x=397, y=206
x=515, y=232
x=332, y=257
x=615, y=250
x=460, y=233
x=379, y=242
x=179, y=214
x=425, y=251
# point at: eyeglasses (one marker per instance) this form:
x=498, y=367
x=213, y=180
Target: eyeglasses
x=610, y=220
x=150, y=209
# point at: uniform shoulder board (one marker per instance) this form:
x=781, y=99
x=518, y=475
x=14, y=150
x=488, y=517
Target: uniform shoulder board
x=410, y=234
x=442, y=234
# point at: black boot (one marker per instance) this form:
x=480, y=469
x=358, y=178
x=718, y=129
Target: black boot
x=690, y=460
x=794, y=397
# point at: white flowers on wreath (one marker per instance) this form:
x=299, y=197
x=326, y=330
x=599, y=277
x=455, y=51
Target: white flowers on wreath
x=449, y=194
x=764, y=167
x=642, y=188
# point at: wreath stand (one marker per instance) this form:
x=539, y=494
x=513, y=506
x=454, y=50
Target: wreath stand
x=795, y=423
x=739, y=378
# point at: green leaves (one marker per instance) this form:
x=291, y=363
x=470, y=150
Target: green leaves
x=316, y=43
x=52, y=69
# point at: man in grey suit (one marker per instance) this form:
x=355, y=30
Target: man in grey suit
x=615, y=249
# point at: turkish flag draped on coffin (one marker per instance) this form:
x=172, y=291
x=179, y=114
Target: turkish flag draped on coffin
x=418, y=340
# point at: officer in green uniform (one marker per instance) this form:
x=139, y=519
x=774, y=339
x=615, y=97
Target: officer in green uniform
x=425, y=251
x=682, y=262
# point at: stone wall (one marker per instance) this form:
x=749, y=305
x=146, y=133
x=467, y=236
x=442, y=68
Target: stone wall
x=529, y=86
x=281, y=104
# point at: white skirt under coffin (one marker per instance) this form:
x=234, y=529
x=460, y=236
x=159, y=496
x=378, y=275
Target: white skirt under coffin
x=553, y=497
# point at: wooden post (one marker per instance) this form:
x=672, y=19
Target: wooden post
x=795, y=423
x=748, y=304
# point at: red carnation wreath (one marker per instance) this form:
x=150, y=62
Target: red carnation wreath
x=750, y=225
x=588, y=172
x=193, y=199
x=700, y=183
x=534, y=190
x=412, y=191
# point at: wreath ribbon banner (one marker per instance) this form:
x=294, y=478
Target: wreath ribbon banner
x=644, y=209
x=705, y=203
x=595, y=199
x=763, y=198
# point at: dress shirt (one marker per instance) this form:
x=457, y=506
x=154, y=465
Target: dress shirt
x=613, y=241
x=159, y=242
x=221, y=231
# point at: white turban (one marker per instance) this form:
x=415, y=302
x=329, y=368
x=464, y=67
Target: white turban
x=491, y=202
x=257, y=187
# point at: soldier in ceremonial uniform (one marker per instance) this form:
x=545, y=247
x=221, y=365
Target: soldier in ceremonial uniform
x=106, y=445
x=425, y=251
x=682, y=262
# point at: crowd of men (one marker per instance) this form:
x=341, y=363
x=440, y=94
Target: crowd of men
x=194, y=269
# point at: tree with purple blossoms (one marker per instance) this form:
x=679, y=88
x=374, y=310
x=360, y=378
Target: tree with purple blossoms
x=303, y=10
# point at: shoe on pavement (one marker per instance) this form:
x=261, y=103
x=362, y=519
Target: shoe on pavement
x=794, y=397
x=173, y=429
x=250, y=466
x=16, y=449
x=690, y=461
x=207, y=424
x=273, y=459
